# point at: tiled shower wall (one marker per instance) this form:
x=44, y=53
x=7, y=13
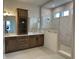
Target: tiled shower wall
x=64, y=26
x=65, y=30
x=55, y=21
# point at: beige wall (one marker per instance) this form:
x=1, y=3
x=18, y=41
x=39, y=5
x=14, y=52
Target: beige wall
x=33, y=10
x=45, y=12
x=12, y=5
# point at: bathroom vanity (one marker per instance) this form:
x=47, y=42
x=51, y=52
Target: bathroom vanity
x=23, y=39
x=20, y=42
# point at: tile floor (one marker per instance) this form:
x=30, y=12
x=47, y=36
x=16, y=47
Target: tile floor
x=34, y=53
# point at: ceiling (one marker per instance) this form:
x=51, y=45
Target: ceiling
x=56, y=3
x=49, y=3
x=31, y=2
x=36, y=2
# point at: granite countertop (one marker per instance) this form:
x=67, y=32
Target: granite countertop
x=30, y=33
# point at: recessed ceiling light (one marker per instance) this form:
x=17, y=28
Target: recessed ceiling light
x=53, y=5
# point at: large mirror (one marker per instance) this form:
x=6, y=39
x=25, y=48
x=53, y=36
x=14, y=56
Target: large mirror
x=10, y=24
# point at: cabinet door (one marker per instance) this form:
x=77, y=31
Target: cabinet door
x=22, y=23
x=40, y=40
x=23, y=42
x=32, y=41
x=10, y=44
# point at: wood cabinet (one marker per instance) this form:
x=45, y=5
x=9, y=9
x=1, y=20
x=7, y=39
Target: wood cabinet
x=10, y=44
x=40, y=40
x=22, y=21
x=36, y=40
x=32, y=41
x=23, y=42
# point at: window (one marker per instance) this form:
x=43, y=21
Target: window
x=65, y=13
x=57, y=15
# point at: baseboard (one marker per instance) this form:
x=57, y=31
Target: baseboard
x=65, y=54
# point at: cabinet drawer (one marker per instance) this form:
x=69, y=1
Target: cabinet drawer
x=23, y=46
x=23, y=42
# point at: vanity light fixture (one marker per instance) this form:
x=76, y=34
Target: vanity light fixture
x=7, y=13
